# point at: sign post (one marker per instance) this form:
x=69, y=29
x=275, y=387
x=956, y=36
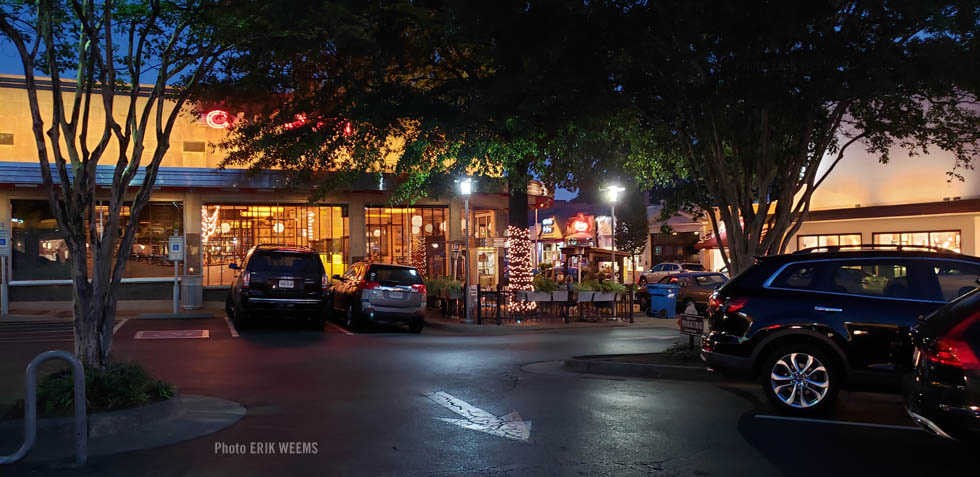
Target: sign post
x=691, y=325
x=175, y=253
x=4, y=257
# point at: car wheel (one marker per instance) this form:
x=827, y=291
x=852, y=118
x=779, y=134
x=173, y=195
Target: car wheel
x=416, y=326
x=240, y=318
x=801, y=379
x=229, y=311
x=350, y=320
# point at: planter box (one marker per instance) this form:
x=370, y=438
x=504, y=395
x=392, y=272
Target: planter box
x=456, y=295
x=604, y=296
x=539, y=296
x=584, y=296
x=559, y=295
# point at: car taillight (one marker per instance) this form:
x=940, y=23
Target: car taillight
x=736, y=304
x=367, y=285
x=714, y=303
x=952, y=349
x=325, y=282
x=246, y=277
x=419, y=287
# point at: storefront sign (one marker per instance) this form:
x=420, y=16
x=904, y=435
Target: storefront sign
x=548, y=225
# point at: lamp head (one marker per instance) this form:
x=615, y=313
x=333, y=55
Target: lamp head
x=613, y=192
x=466, y=186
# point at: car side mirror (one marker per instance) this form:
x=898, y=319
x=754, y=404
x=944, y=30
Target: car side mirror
x=337, y=277
x=233, y=266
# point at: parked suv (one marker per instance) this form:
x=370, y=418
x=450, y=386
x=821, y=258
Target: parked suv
x=380, y=293
x=808, y=323
x=285, y=279
x=660, y=270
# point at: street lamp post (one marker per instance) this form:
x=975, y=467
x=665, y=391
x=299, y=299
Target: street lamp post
x=612, y=192
x=466, y=188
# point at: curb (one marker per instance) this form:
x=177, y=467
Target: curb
x=181, y=418
x=600, y=364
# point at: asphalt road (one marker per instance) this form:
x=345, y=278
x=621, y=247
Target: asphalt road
x=365, y=400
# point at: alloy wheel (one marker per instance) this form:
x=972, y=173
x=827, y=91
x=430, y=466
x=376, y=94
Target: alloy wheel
x=799, y=380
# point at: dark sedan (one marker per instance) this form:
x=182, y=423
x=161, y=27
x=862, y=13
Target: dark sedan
x=695, y=288
x=943, y=394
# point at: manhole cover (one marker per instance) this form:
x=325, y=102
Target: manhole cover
x=172, y=334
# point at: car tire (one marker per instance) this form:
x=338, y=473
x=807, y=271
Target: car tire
x=801, y=378
x=241, y=319
x=229, y=309
x=416, y=326
x=350, y=318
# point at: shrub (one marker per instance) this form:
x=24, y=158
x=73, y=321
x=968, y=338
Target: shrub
x=587, y=285
x=120, y=385
x=611, y=286
x=544, y=284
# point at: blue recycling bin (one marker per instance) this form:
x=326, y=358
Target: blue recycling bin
x=663, y=300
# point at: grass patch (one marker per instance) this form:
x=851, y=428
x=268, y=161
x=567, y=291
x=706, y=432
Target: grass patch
x=120, y=385
x=684, y=352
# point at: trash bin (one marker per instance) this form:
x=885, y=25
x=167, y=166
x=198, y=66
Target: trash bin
x=191, y=291
x=663, y=300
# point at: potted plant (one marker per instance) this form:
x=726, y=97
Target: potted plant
x=454, y=288
x=543, y=287
x=608, y=290
x=584, y=291
x=560, y=293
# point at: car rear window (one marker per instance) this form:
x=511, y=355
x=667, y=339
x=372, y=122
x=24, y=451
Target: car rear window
x=393, y=275
x=704, y=280
x=284, y=262
x=696, y=267
x=799, y=276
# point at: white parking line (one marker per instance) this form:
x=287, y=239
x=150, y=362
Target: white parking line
x=843, y=423
x=651, y=337
x=231, y=328
x=341, y=328
x=119, y=325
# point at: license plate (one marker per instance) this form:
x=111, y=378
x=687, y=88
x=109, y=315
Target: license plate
x=285, y=283
x=398, y=295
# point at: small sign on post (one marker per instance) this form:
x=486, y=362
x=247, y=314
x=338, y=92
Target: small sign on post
x=691, y=325
x=175, y=249
x=4, y=242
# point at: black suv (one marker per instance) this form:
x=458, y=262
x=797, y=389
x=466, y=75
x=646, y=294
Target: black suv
x=286, y=279
x=810, y=322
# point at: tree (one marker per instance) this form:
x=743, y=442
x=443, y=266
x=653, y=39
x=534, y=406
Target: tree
x=110, y=47
x=756, y=102
x=632, y=225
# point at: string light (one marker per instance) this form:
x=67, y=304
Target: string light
x=519, y=265
x=209, y=222
x=418, y=255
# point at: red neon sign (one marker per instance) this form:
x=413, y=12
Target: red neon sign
x=580, y=224
x=218, y=119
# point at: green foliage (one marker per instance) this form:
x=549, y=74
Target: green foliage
x=609, y=286
x=684, y=352
x=452, y=285
x=587, y=285
x=119, y=385
x=433, y=286
x=545, y=284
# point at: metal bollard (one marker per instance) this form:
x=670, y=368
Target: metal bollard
x=30, y=407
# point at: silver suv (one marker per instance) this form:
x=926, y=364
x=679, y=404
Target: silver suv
x=380, y=293
x=663, y=269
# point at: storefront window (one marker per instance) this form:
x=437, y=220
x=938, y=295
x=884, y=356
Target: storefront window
x=39, y=252
x=827, y=240
x=229, y=230
x=408, y=235
x=943, y=239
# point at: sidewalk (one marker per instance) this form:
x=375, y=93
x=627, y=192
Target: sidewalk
x=62, y=310
x=434, y=319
